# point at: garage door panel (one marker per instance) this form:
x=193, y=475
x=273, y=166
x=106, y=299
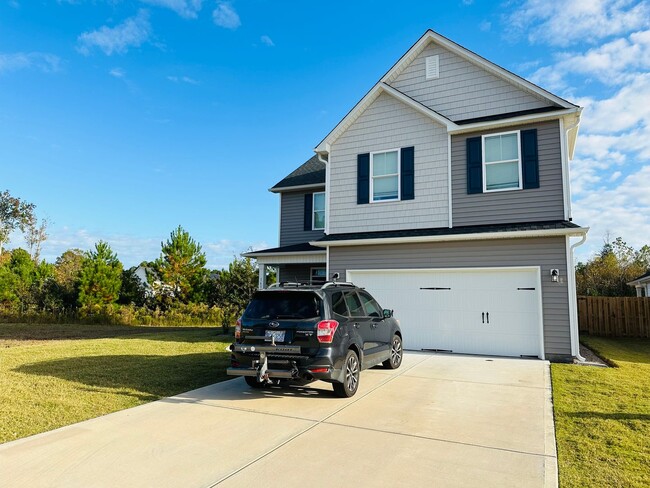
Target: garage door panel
x=448, y=309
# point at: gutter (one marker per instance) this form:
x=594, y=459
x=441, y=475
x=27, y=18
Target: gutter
x=579, y=231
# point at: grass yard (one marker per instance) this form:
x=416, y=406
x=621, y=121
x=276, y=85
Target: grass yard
x=602, y=416
x=55, y=375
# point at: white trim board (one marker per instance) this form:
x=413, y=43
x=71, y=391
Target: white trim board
x=579, y=231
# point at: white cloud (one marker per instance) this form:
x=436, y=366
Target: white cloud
x=485, y=26
x=222, y=252
x=226, y=16
x=623, y=210
x=45, y=62
x=133, y=32
x=613, y=63
x=188, y=9
x=183, y=79
x=562, y=22
x=266, y=40
x=117, y=73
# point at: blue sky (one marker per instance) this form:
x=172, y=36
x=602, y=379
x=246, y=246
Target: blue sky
x=122, y=119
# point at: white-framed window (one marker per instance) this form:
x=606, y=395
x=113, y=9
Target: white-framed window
x=318, y=212
x=502, y=162
x=318, y=276
x=384, y=176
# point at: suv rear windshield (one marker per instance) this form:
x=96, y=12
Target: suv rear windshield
x=283, y=305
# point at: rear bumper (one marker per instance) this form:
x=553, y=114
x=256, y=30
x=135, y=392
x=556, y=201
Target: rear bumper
x=284, y=362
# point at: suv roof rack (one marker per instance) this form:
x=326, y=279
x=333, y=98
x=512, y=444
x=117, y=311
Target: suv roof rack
x=337, y=283
x=288, y=284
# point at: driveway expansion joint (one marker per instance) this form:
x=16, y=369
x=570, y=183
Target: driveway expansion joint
x=315, y=424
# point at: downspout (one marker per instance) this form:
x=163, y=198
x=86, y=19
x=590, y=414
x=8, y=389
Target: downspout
x=574, y=298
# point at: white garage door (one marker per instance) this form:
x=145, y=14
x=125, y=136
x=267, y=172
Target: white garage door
x=495, y=311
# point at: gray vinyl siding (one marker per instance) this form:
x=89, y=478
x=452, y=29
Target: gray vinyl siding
x=292, y=219
x=463, y=90
x=548, y=253
x=534, y=205
x=300, y=273
x=389, y=124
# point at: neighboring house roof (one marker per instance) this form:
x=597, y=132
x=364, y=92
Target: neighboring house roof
x=560, y=106
x=645, y=278
x=527, y=229
x=303, y=247
x=310, y=173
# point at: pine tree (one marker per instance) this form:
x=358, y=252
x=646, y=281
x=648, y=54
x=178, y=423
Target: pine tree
x=181, y=265
x=101, y=277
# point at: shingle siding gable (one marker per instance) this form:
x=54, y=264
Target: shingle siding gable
x=463, y=89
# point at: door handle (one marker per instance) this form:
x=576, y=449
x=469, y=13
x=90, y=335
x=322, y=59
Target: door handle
x=483, y=317
x=488, y=317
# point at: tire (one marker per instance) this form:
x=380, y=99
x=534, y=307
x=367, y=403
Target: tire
x=396, y=353
x=352, y=370
x=252, y=382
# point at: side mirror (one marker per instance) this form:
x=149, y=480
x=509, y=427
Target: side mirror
x=388, y=313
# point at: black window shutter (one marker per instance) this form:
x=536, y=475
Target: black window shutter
x=408, y=173
x=529, y=158
x=309, y=200
x=474, y=165
x=363, y=178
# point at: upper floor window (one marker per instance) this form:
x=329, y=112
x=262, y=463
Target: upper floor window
x=501, y=162
x=384, y=183
x=318, y=219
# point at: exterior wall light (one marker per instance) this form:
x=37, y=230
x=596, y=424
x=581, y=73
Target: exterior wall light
x=555, y=275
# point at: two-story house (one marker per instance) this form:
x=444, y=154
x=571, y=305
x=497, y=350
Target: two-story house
x=445, y=192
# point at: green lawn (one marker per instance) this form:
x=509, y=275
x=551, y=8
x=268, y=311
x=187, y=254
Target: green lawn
x=602, y=416
x=55, y=375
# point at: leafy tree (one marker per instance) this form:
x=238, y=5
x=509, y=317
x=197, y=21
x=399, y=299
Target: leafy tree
x=133, y=291
x=64, y=290
x=14, y=214
x=22, y=282
x=181, y=265
x=608, y=273
x=101, y=277
x=234, y=287
x=36, y=235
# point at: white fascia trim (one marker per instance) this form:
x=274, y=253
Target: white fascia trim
x=300, y=253
x=366, y=101
x=521, y=119
x=297, y=187
x=479, y=236
x=565, y=171
x=473, y=58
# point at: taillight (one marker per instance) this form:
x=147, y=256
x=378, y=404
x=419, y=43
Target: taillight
x=325, y=330
x=238, y=329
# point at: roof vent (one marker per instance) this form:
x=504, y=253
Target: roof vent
x=432, y=67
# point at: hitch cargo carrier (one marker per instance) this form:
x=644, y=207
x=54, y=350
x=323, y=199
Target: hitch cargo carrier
x=260, y=368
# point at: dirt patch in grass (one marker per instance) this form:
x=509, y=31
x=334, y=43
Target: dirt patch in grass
x=602, y=416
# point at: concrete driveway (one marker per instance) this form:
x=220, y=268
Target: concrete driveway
x=443, y=420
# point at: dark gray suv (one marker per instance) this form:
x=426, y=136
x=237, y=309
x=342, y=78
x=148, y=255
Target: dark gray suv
x=330, y=333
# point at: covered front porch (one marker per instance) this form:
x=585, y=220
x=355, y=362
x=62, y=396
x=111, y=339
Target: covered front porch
x=300, y=263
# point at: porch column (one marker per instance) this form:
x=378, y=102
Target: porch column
x=639, y=290
x=262, y=278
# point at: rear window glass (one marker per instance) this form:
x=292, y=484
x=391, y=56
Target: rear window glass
x=283, y=305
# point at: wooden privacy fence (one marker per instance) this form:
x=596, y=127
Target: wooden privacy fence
x=614, y=316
